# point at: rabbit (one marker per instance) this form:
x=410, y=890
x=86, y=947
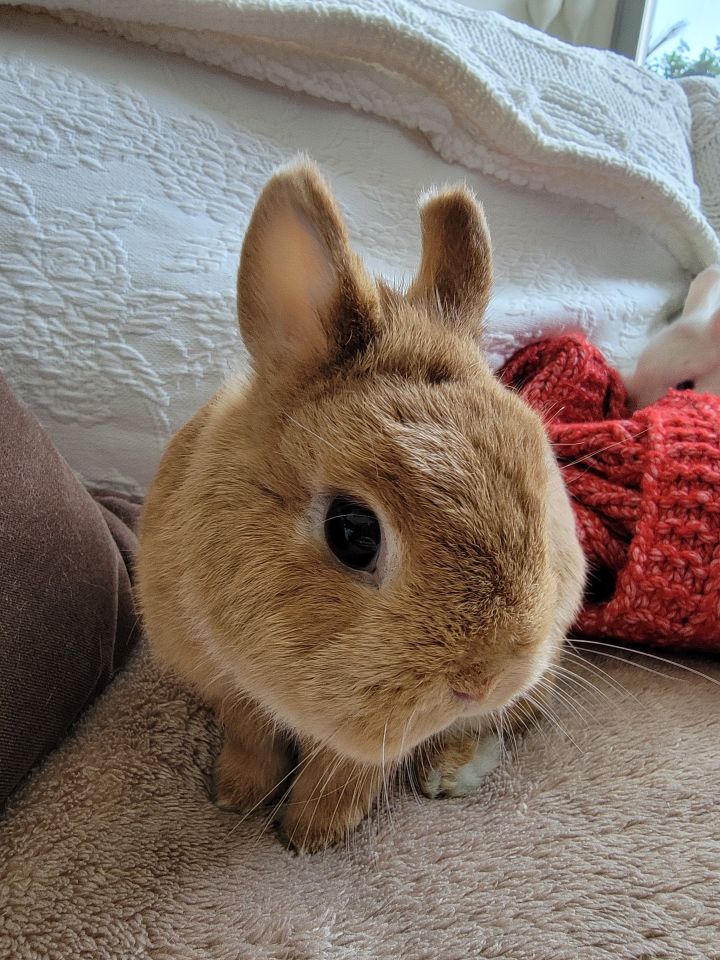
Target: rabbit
x=364, y=551
x=684, y=355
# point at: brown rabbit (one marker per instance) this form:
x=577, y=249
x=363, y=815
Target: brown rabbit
x=367, y=546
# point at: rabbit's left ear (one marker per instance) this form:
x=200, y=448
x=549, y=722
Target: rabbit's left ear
x=456, y=263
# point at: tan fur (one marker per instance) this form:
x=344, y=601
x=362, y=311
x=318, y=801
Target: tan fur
x=360, y=390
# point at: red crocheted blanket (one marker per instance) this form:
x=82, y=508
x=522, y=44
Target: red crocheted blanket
x=646, y=492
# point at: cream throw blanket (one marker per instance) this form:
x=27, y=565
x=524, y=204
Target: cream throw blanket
x=506, y=101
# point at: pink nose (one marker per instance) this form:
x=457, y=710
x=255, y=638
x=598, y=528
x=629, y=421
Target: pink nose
x=473, y=689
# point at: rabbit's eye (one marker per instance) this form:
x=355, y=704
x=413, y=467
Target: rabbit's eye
x=352, y=532
x=686, y=385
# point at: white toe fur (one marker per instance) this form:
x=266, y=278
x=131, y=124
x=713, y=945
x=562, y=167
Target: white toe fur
x=466, y=779
x=469, y=777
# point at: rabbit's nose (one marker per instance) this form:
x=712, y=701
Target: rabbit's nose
x=472, y=687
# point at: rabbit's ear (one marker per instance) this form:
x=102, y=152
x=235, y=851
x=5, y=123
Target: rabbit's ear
x=304, y=299
x=456, y=264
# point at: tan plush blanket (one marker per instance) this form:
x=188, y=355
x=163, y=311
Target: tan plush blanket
x=600, y=844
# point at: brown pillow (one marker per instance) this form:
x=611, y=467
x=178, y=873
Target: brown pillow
x=66, y=613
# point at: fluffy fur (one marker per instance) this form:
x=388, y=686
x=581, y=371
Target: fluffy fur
x=361, y=390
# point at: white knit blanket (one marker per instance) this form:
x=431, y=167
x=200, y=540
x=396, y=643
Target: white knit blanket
x=128, y=175
x=506, y=101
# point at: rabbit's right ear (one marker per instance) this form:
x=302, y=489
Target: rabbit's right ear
x=304, y=299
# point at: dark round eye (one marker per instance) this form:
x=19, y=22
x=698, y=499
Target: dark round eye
x=352, y=532
x=686, y=385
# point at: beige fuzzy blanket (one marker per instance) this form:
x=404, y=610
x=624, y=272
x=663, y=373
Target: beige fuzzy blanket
x=604, y=843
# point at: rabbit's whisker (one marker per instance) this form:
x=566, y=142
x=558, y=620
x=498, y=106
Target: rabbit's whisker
x=610, y=446
x=553, y=719
x=643, y=653
x=585, y=696
x=563, y=697
x=600, y=673
x=579, y=681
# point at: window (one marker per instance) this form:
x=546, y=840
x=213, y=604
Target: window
x=675, y=38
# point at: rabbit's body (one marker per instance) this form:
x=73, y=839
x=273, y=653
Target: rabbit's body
x=383, y=404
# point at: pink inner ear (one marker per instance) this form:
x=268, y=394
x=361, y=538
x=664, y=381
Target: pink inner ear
x=298, y=281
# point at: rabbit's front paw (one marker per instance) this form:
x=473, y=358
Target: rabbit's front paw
x=243, y=781
x=329, y=798
x=314, y=827
x=458, y=764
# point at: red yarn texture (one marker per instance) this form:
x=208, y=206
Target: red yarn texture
x=646, y=493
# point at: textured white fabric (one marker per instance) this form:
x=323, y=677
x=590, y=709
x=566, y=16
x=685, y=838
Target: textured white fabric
x=494, y=95
x=703, y=95
x=126, y=181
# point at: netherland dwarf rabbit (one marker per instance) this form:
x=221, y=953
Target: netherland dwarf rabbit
x=365, y=550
